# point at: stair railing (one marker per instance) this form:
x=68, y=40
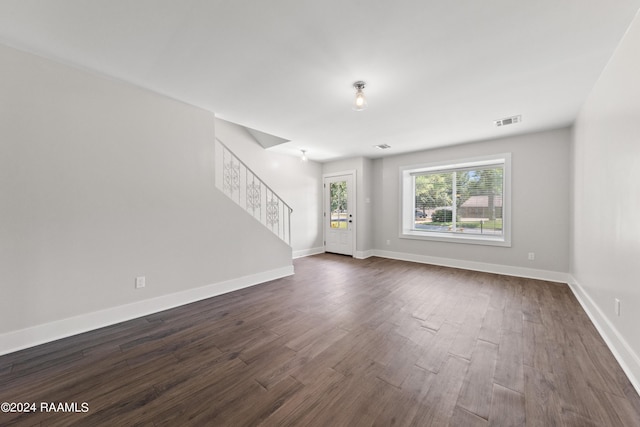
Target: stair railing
x=244, y=187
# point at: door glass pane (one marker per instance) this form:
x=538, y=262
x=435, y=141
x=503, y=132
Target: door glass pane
x=338, y=198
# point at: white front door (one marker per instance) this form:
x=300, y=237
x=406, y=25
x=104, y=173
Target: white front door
x=339, y=214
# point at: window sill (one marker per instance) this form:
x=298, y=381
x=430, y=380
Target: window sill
x=456, y=238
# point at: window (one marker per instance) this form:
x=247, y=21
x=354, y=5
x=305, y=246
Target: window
x=466, y=201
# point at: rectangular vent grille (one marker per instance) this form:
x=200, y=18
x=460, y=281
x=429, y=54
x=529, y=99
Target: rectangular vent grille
x=382, y=146
x=508, y=121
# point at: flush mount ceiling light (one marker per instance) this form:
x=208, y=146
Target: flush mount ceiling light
x=360, y=103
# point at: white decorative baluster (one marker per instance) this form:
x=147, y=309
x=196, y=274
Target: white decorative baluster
x=245, y=188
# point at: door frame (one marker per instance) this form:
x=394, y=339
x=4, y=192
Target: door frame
x=353, y=174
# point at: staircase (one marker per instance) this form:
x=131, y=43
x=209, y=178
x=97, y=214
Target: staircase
x=235, y=179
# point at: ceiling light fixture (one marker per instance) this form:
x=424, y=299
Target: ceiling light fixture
x=304, y=155
x=360, y=103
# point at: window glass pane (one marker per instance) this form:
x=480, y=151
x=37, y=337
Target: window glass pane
x=338, y=198
x=433, y=201
x=480, y=201
x=477, y=193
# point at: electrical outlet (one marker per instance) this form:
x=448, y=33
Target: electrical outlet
x=388, y=242
x=141, y=282
x=617, y=306
x=532, y=256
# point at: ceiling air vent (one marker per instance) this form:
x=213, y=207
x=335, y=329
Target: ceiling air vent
x=382, y=146
x=508, y=121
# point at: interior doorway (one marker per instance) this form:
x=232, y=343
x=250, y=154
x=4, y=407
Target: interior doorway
x=340, y=213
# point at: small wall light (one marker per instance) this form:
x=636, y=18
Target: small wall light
x=304, y=155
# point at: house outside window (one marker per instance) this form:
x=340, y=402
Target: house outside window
x=465, y=201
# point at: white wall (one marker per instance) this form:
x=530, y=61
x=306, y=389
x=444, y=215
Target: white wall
x=366, y=200
x=540, y=208
x=101, y=182
x=298, y=183
x=605, y=239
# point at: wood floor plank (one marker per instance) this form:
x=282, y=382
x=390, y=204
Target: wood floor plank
x=619, y=410
x=401, y=365
x=592, y=360
x=437, y=317
x=491, y=329
x=463, y=418
x=275, y=373
x=475, y=395
x=341, y=401
x=572, y=419
x=310, y=336
x=542, y=407
x=343, y=349
x=428, y=306
x=512, y=319
x=342, y=342
x=309, y=402
x=509, y=366
x=434, y=356
x=440, y=401
x=531, y=304
x=465, y=342
x=264, y=404
x=368, y=407
x=398, y=410
x=418, y=383
x=573, y=391
x=507, y=407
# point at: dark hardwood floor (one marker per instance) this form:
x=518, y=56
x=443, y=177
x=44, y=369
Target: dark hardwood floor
x=344, y=342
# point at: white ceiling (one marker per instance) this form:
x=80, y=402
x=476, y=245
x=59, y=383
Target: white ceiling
x=438, y=72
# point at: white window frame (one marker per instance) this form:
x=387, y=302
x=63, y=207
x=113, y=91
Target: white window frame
x=407, y=201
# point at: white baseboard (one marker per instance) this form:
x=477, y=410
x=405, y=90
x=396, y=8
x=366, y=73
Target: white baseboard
x=364, y=254
x=40, y=334
x=622, y=351
x=530, y=273
x=308, y=252
x=320, y=250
